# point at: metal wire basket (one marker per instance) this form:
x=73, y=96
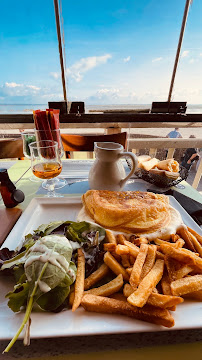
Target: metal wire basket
x=162, y=181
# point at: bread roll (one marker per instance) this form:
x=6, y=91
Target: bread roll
x=168, y=165
x=143, y=158
x=148, y=165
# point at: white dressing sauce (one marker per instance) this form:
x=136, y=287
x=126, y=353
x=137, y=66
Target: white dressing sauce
x=46, y=254
x=43, y=286
x=72, y=274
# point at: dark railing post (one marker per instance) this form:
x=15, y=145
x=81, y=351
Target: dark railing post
x=186, y=10
x=57, y=18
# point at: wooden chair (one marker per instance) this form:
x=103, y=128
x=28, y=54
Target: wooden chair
x=73, y=143
x=11, y=149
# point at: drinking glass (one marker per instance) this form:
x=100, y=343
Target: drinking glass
x=56, y=136
x=27, y=138
x=46, y=163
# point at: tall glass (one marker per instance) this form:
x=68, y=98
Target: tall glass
x=46, y=163
x=27, y=138
x=56, y=136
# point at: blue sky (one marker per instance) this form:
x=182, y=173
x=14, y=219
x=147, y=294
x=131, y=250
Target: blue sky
x=117, y=52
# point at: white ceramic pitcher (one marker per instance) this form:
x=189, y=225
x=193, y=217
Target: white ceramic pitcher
x=107, y=172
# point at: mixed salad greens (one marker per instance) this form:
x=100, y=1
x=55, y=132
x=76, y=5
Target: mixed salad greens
x=45, y=267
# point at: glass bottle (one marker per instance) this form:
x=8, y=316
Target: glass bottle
x=10, y=195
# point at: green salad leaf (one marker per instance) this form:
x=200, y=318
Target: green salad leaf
x=43, y=267
x=47, y=265
x=18, y=297
x=51, y=300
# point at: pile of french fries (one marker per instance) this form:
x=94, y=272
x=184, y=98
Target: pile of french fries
x=149, y=278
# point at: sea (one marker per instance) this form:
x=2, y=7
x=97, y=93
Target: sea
x=28, y=109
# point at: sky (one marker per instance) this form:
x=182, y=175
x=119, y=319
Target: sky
x=116, y=51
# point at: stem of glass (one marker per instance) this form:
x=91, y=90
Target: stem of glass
x=51, y=188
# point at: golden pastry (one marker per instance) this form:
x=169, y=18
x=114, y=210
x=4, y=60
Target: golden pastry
x=127, y=211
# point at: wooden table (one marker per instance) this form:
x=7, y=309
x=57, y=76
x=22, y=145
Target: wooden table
x=166, y=345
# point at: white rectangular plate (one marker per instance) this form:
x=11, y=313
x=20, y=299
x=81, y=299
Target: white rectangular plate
x=67, y=323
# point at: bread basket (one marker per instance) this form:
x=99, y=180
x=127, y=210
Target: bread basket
x=160, y=180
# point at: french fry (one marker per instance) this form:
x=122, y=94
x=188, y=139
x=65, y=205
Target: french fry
x=172, y=266
x=184, y=233
x=155, y=299
x=125, y=261
x=199, y=237
x=177, y=244
x=132, y=259
x=127, y=290
x=122, y=249
x=149, y=313
x=178, y=254
x=174, y=237
x=109, y=247
x=196, y=295
x=149, y=262
x=120, y=238
x=133, y=249
x=195, y=257
x=110, y=237
x=116, y=256
x=118, y=296
x=141, y=295
x=159, y=255
x=71, y=298
x=129, y=270
x=139, y=241
x=196, y=243
x=160, y=241
x=109, y=288
x=138, y=265
x=183, y=271
x=113, y=264
x=96, y=276
x=165, y=284
x=79, y=283
x=186, y=285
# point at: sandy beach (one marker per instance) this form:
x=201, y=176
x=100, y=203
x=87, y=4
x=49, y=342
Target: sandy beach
x=156, y=132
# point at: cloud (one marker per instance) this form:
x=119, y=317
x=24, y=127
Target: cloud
x=157, y=59
x=185, y=53
x=12, y=85
x=55, y=75
x=77, y=70
x=191, y=61
x=33, y=87
x=126, y=59
x=18, y=93
x=112, y=96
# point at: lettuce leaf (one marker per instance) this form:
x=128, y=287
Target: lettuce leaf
x=53, y=299
x=18, y=297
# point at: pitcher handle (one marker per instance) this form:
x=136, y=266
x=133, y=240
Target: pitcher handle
x=134, y=165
